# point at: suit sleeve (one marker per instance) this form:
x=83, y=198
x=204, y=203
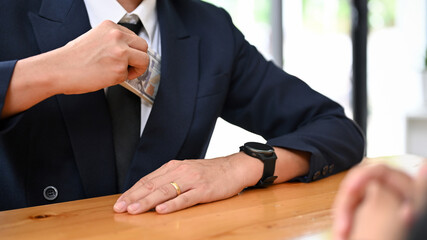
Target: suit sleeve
x=285, y=111
x=6, y=71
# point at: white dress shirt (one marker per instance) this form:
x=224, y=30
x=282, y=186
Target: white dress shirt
x=100, y=10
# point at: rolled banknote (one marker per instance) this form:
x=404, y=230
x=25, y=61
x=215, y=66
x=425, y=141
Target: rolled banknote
x=146, y=85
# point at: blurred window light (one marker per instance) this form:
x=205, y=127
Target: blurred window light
x=317, y=48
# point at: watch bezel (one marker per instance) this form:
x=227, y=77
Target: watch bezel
x=259, y=148
x=265, y=153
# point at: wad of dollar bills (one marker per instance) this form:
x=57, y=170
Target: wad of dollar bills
x=146, y=85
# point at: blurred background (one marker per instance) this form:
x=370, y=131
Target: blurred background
x=316, y=46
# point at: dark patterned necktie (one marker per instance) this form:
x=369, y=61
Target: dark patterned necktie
x=125, y=110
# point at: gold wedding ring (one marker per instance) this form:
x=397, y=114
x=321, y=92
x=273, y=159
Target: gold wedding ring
x=177, y=188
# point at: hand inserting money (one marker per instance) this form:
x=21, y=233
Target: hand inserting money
x=146, y=85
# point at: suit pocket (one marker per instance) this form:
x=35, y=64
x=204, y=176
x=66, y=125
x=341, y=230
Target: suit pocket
x=213, y=85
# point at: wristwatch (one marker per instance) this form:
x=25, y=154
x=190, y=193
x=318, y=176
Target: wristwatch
x=266, y=154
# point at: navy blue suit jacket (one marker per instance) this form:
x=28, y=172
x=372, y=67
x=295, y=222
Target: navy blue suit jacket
x=208, y=71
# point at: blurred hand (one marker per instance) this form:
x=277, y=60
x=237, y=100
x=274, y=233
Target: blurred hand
x=377, y=202
x=354, y=187
x=380, y=216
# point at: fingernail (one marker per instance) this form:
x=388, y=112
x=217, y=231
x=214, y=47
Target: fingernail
x=120, y=206
x=134, y=207
x=161, y=208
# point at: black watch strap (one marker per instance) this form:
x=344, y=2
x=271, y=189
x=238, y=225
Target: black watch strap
x=266, y=154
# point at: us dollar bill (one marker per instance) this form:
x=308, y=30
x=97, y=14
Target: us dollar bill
x=146, y=85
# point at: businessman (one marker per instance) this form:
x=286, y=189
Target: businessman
x=61, y=138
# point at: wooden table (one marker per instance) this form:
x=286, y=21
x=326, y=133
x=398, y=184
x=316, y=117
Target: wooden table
x=283, y=211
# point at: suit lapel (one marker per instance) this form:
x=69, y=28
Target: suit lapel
x=85, y=115
x=173, y=109
x=59, y=22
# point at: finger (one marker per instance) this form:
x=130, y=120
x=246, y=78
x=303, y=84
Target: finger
x=352, y=191
x=344, y=204
x=133, y=40
x=110, y=27
x=137, y=42
x=160, y=195
x=124, y=29
x=138, y=62
x=123, y=34
x=353, y=187
x=414, y=206
x=147, y=185
x=412, y=210
x=421, y=188
x=185, y=200
x=165, y=169
x=136, y=52
x=380, y=206
x=379, y=197
x=139, y=191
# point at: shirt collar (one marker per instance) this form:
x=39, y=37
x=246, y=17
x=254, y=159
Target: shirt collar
x=99, y=11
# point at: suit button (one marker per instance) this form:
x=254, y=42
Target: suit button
x=50, y=193
x=331, y=168
x=316, y=175
x=325, y=170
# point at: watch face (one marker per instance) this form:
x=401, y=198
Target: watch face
x=259, y=147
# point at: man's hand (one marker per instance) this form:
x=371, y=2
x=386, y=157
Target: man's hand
x=104, y=56
x=200, y=181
